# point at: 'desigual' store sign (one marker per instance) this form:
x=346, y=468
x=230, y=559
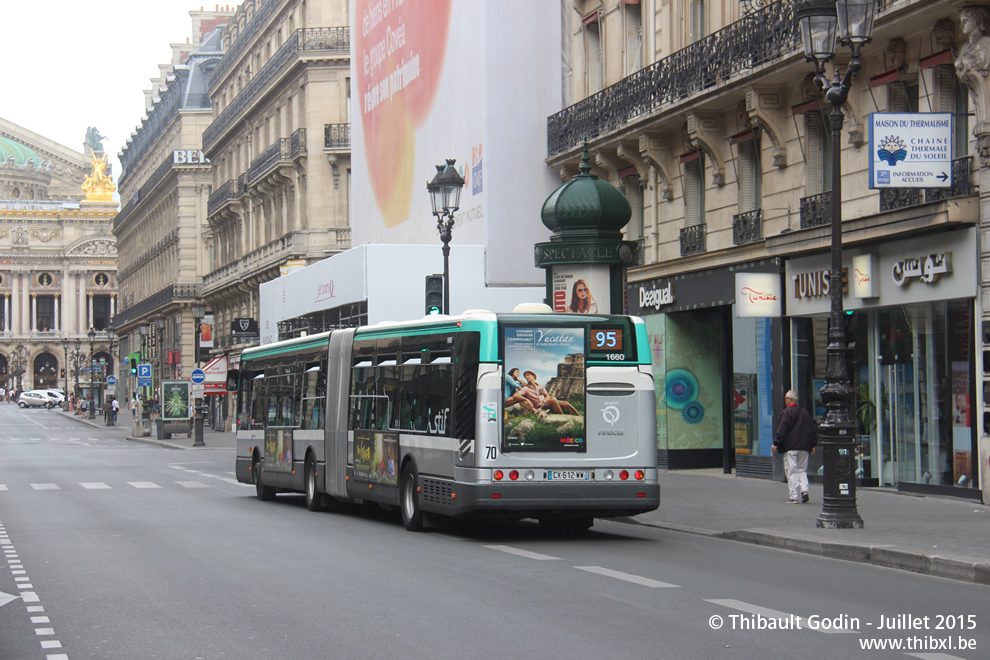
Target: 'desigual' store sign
x=758, y=295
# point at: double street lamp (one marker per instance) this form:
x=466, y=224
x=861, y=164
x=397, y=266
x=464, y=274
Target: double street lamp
x=822, y=23
x=65, y=370
x=91, y=404
x=18, y=365
x=445, y=198
x=198, y=311
x=108, y=404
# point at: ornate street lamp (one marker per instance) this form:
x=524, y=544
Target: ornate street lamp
x=18, y=365
x=445, y=198
x=817, y=20
x=65, y=371
x=159, y=345
x=112, y=336
x=91, y=405
x=76, y=360
x=198, y=311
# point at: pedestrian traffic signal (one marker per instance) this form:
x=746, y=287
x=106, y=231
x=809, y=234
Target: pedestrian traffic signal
x=434, y=294
x=133, y=360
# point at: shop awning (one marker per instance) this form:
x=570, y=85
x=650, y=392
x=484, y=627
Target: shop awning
x=216, y=376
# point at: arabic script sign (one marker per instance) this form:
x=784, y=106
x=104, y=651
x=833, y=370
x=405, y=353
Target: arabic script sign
x=926, y=269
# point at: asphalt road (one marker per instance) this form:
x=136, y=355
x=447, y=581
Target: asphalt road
x=124, y=550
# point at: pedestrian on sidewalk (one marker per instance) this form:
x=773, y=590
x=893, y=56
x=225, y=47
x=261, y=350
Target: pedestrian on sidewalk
x=796, y=440
x=115, y=407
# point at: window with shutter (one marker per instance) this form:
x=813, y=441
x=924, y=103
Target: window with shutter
x=593, y=48
x=819, y=153
x=634, y=230
x=697, y=20
x=694, y=191
x=750, y=175
x=634, y=39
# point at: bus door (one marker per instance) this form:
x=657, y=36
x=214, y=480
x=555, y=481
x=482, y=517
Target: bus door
x=278, y=456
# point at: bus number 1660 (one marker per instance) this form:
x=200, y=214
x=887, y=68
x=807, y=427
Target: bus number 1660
x=615, y=356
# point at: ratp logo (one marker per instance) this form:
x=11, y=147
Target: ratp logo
x=610, y=414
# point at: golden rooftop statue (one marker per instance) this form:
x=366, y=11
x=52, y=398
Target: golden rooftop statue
x=98, y=186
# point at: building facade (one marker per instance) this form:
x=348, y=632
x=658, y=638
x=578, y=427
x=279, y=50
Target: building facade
x=708, y=118
x=58, y=265
x=279, y=145
x=161, y=231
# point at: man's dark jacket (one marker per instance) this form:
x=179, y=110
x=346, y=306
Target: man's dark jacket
x=796, y=430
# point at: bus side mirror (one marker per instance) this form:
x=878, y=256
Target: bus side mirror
x=232, y=378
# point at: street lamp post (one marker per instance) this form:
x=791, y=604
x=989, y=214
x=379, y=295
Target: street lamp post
x=817, y=20
x=65, y=371
x=77, y=354
x=445, y=198
x=91, y=405
x=18, y=363
x=199, y=311
x=112, y=336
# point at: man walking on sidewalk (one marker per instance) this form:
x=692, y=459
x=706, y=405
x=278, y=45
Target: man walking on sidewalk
x=795, y=439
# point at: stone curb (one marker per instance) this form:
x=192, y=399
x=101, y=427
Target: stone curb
x=914, y=562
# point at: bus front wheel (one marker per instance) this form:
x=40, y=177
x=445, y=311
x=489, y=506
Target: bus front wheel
x=314, y=500
x=412, y=514
x=265, y=493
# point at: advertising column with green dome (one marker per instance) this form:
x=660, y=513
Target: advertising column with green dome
x=585, y=257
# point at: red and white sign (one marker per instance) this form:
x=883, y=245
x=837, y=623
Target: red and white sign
x=758, y=295
x=216, y=376
x=864, y=284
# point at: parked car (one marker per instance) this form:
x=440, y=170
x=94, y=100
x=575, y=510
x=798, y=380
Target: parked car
x=34, y=399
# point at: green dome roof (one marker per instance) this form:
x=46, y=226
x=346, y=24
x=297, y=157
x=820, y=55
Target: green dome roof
x=586, y=204
x=20, y=153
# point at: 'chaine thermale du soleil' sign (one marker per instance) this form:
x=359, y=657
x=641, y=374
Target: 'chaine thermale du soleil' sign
x=910, y=150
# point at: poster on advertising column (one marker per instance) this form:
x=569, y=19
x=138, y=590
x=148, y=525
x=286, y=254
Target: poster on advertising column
x=581, y=289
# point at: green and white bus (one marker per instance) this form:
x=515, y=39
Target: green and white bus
x=522, y=415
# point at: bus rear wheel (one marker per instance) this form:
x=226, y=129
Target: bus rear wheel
x=412, y=514
x=314, y=500
x=265, y=493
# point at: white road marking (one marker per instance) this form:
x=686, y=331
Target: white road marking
x=2, y=487
x=635, y=579
x=192, y=484
x=143, y=484
x=56, y=656
x=775, y=614
x=51, y=644
x=44, y=631
x=934, y=656
x=94, y=485
x=519, y=552
x=45, y=487
x=40, y=619
x=35, y=608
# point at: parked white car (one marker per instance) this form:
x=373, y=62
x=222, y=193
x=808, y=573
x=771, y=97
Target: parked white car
x=34, y=399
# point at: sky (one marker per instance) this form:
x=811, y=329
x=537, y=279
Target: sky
x=68, y=65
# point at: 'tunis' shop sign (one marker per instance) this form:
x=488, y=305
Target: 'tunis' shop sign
x=910, y=150
x=758, y=295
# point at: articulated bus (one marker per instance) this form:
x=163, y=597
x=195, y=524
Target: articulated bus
x=522, y=415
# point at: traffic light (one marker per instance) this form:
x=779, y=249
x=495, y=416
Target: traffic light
x=133, y=360
x=61, y=373
x=434, y=294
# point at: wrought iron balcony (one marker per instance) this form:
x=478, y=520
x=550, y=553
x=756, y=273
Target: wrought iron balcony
x=297, y=142
x=221, y=196
x=962, y=186
x=693, y=240
x=337, y=39
x=816, y=211
x=755, y=40
x=337, y=136
x=747, y=227
x=280, y=150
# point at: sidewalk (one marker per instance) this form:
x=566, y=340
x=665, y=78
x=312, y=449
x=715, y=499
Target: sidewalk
x=124, y=430
x=941, y=536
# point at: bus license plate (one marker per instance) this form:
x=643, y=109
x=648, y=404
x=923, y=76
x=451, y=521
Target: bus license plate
x=568, y=475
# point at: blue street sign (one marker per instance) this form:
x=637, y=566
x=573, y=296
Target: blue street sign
x=111, y=380
x=144, y=375
x=197, y=376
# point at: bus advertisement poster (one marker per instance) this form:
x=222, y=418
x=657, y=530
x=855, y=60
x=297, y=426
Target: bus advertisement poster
x=544, y=389
x=375, y=455
x=175, y=400
x=278, y=449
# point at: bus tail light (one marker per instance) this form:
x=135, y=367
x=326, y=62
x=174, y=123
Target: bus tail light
x=609, y=475
x=497, y=474
x=640, y=475
x=514, y=475
x=624, y=475
x=530, y=475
